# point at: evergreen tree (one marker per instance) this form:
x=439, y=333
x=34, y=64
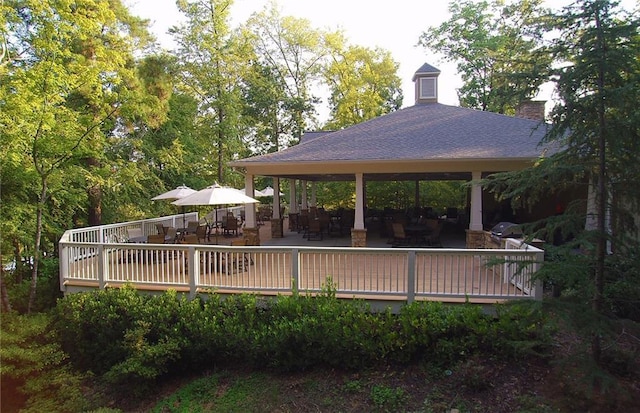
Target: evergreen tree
x=596, y=130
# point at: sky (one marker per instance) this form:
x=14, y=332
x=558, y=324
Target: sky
x=369, y=23
x=394, y=25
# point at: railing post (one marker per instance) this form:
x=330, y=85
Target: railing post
x=537, y=288
x=64, y=264
x=193, y=264
x=102, y=266
x=411, y=277
x=295, y=270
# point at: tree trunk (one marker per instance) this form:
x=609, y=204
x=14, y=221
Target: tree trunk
x=4, y=295
x=601, y=195
x=17, y=257
x=36, y=249
x=95, y=206
x=94, y=193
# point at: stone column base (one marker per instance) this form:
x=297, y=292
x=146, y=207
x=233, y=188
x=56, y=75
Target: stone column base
x=358, y=238
x=252, y=236
x=475, y=239
x=276, y=228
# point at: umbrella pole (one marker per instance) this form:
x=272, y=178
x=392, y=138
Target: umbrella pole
x=215, y=224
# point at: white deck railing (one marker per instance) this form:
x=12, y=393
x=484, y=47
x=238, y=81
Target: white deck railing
x=95, y=258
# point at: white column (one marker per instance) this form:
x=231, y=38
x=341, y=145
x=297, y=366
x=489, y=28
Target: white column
x=249, y=209
x=303, y=195
x=359, y=213
x=293, y=199
x=276, y=198
x=475, y=219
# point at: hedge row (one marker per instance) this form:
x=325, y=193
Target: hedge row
x=127, y=336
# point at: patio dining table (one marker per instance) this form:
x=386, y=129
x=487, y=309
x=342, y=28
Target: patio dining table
x=417, y=232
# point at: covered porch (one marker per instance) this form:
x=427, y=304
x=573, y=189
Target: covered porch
x=427, y=141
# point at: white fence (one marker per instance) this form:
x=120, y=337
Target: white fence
x=96, y=258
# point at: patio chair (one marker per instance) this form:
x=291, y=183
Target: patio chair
x=244, y=260
x=171, y=235
x=325, y=222
x=294, y=217
x=433, y=239
x=303, y=224
x=314, y=231
x=192, y=226
x=134, y=233
x=231, y=227
x=202, y=233
x=161, y=229
x=399, y=236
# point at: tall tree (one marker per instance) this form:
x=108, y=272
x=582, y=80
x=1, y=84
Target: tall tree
x=495, y=45
x=596, y=127
x=212, y=61
x=294, y=52
x=266, y=109
x=364, y=83
x=67, y=74
x=598, y=120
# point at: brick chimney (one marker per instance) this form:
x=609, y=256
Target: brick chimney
x=531, y=109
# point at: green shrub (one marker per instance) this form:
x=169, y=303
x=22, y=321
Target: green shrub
x=18, y=284
x=388, y=399
x=35, y=368
x=129, y=337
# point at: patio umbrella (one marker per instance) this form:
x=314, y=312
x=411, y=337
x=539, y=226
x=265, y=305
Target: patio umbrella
x=256, y=193
x=177, y=193
x=268, y=191
x=216, y=195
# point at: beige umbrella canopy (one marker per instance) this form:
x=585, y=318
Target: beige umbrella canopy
x=268, y=191
x=256, y=193
x=216, y=195
x=177, y=193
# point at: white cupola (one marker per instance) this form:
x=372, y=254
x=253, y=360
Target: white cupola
x=426, y=84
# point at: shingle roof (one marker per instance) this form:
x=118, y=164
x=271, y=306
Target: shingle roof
x=426, y=69
x=430, y=131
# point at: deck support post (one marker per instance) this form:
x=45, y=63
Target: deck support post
x=411, y=277
x=193, y=263
x=102, y=266
x=295, y=271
